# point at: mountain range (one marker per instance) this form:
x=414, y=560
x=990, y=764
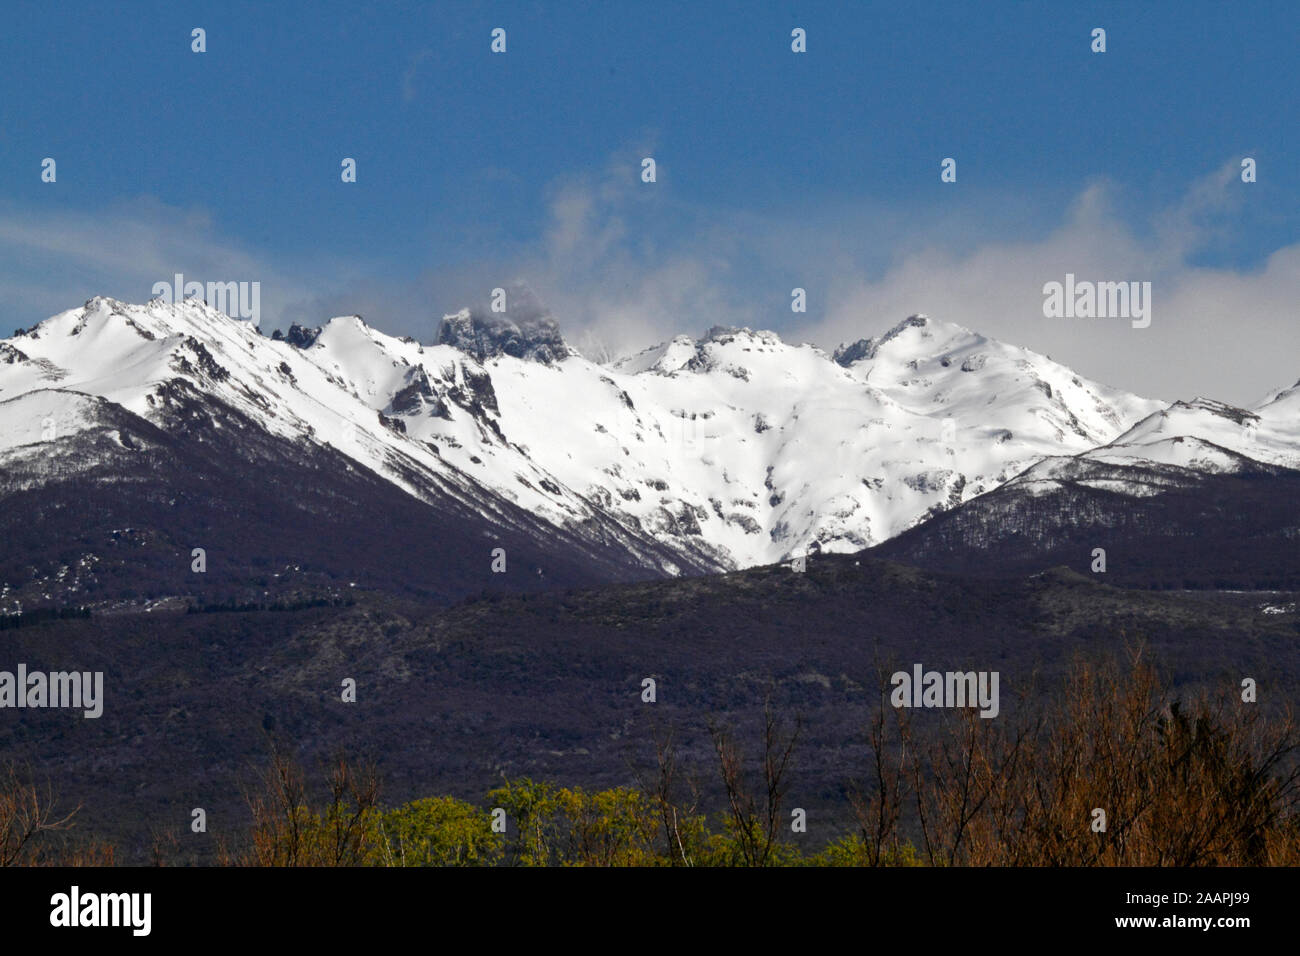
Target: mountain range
x=499, y=539
x=132, y=434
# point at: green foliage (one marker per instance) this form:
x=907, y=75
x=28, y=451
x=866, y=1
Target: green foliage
x=530, y=808
x=572, y=827
x=853, y=851
x=558, y=826
x=342, y=836
x=439, y=831
x=610, y=828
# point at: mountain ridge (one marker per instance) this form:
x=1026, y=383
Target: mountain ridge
x=732, y=450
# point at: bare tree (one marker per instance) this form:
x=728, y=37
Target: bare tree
x=663, y=788
x=26, y=815
x=756, y=823
x=289, y=831
x=878, y=815
x=1116, y=770
x=353, y=798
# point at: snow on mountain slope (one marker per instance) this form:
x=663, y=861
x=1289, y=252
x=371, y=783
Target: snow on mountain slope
x=730, y=450
x=934, y=367
x=330, y=393
x=745, y=449
x=1199, y=435
x=30, y=420
x=1170, y=448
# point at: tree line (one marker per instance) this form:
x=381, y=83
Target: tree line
x=1113, y=769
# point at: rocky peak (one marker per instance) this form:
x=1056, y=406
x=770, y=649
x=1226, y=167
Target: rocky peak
x=726, y=334
x=847, y=355
x=525, y=330
x=298, y=336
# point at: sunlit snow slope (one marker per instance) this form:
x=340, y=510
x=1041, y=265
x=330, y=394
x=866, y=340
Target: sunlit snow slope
x=730, y=450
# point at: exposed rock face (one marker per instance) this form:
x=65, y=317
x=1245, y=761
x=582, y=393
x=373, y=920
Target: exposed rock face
x=846, y=355
x=10, y=355
x=418, y=394
x=524, y=330
x=298, y=336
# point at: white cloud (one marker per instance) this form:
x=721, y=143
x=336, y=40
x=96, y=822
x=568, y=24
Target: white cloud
x=53, y=261
x=627, y=264
x=1215, y=332
x=629, y=274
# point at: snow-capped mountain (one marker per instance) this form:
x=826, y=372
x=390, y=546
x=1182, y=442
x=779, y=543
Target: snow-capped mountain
x=845, y=451
x=731, y=450
x=1199, y=494
x=1200, y=435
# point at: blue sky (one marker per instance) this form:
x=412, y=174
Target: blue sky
x=775, y=169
